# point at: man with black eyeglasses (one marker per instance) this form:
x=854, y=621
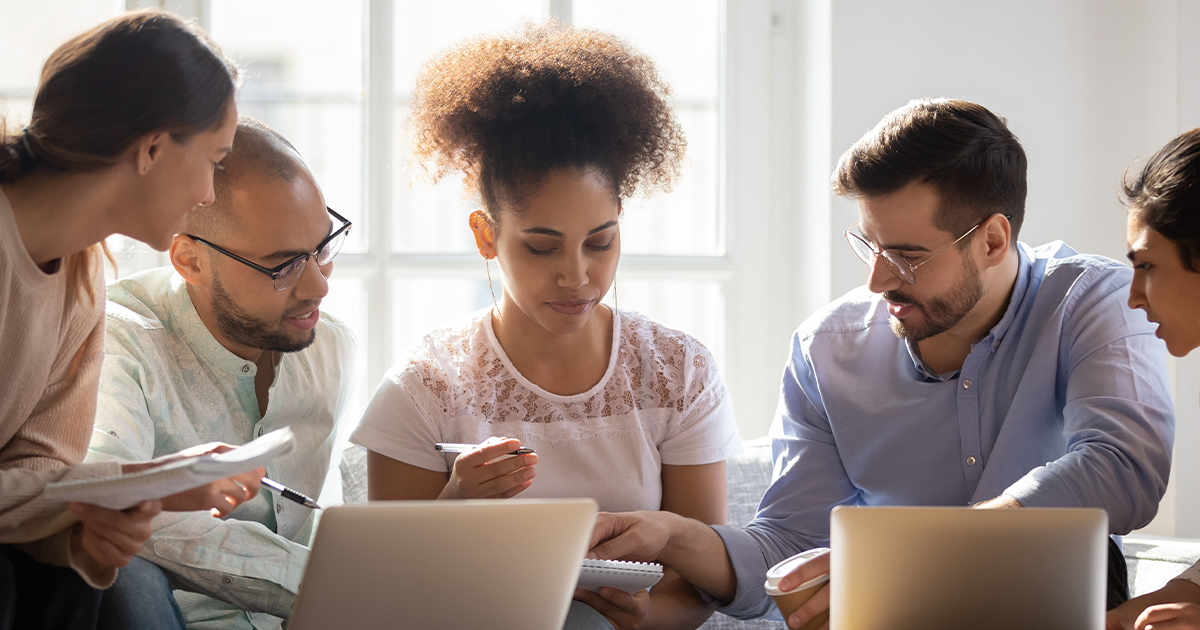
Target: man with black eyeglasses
x=970, y=370
x=228, y=344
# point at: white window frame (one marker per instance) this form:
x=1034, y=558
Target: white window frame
x=769, y=274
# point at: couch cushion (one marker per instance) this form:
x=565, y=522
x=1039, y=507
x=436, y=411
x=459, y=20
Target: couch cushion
x=1153, y=560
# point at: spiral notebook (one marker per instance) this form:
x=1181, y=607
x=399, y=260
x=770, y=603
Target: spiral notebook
x=630, y=577
x=126, y=491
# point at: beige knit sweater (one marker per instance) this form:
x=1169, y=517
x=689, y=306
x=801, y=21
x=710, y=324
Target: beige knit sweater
x=46, y=412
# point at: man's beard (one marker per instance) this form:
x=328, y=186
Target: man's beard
x=943, y=312
x=240, y=327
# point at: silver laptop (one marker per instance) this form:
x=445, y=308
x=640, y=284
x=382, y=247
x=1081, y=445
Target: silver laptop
x=931, y=568
x=445, y=564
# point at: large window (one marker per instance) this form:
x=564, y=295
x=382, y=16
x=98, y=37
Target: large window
x=337, y=82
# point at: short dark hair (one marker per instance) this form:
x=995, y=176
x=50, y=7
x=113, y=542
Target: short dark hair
x=507, y=110
x=966, y=152
x=1165, y=195
x=257, y=149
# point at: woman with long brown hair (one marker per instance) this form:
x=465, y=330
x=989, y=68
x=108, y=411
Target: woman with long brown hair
x=129, y=120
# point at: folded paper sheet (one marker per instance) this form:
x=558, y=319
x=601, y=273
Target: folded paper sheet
x=126, y=491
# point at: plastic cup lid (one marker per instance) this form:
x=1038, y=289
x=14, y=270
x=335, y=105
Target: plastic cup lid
x=776, y=573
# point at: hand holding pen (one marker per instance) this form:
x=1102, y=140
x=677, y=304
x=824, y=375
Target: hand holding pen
x=289, y=494
x=498, y=468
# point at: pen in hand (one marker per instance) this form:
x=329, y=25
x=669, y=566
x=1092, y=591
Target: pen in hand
x=289, y=494
x=463, y=448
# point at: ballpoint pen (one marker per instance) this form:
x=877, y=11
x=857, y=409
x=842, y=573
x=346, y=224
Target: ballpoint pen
x=463, y=448
x=289, y=494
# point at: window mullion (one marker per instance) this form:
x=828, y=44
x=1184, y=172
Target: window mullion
x=561, y=9
x=378, y=141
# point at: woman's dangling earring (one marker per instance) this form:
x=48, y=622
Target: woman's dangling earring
x=495, y=306
x=616, y=302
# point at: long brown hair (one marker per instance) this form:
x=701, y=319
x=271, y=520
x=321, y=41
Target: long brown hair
x=100, y=92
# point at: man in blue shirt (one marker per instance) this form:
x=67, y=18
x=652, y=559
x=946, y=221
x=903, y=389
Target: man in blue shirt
x=970, y=370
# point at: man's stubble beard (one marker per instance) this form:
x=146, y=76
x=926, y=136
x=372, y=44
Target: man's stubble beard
x=242, y=328
x=943, y=312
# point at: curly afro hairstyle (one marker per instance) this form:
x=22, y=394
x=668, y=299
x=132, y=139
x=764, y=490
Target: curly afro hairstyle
x=507, y=110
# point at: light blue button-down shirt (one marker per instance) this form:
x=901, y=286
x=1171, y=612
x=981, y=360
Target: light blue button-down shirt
x=168, y=384
x=1065, y=403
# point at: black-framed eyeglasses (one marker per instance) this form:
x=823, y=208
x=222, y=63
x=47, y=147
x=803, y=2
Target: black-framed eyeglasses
x=285, y=275
x=898, y=264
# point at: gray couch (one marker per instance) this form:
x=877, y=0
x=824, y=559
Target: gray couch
x=1152, y=560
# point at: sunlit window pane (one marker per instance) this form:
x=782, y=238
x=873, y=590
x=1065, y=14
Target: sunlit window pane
x=303, y=76
x=687, y=54
x=433, y=218
x=30, y=31
x=695, y=307
x=422, y=304
x=347, y=300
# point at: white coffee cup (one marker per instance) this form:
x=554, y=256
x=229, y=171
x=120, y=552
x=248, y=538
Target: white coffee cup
x=789, y=601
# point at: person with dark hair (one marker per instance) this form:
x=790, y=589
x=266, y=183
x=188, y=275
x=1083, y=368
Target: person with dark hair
x=971, y=369
x=553, y=127
x=128, y=122
x=1163, y=233
x=225, y=345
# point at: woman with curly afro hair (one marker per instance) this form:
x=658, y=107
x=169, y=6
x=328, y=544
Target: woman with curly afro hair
x=553, y=127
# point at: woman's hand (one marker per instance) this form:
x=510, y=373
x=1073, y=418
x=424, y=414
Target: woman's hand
x=1169, y=617
x=486, y=472
x=623, y=611
x=220, y=497
x=112, y=537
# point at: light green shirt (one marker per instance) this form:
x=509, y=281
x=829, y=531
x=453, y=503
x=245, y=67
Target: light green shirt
x=166, y=385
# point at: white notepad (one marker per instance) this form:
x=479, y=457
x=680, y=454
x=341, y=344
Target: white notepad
x=630, y=577
x=125, y=491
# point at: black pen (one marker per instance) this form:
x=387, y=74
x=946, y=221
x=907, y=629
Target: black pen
x=289, y=494
x=463, y=448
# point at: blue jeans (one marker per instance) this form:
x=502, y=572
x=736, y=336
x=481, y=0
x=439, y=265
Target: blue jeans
x=141, y=599
x=583, y=617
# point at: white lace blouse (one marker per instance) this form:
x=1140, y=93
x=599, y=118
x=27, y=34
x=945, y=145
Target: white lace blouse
x=661, y=401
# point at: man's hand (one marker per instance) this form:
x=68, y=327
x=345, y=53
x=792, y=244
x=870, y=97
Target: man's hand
x=485, y=473
x=1169, y=617
x=111, y=537
x=819, y=602
x=623, y=611
x=220, y=497
x=1002, y=502
x=636, y=536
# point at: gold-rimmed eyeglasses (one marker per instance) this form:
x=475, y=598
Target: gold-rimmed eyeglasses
x=897, y=263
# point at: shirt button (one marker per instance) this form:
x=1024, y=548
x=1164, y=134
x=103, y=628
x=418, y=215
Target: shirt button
x=967, y=384
x=227, y=580
x=971, y=460
x=278, y=508
x=245, y=368
x=260, y=431
x=112, y=433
